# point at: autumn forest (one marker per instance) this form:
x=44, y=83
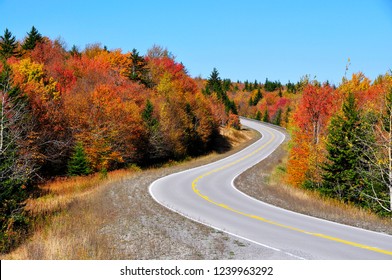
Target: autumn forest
x=71, y=112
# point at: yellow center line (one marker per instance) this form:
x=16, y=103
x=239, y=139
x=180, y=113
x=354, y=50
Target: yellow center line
x=197, y=191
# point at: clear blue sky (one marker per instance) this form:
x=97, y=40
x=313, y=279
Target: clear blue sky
x=249, y=39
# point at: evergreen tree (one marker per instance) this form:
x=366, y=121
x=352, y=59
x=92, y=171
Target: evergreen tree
x=278, y=117
x=258, y=97
x=8, y=45
x=191, y=138
x=147, y=116
x=246, y=85
x=250, y=86
x=341, y=177
x=287, y=115
x=154, y=147
x=290, y=87
x=78, y=163
x=214, y=83
x=250, y=101
x=33, y=37
x=258, y=115
x=266, y=116
x=16, y=167
x=75, y=51
x=230, y=106
x=139, y=71
x=226, y=84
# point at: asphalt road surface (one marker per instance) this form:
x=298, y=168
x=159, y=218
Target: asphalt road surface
x=207, y=195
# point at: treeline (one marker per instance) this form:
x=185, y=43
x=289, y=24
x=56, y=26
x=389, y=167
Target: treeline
x=342, y=141
x=269, y=102
x=341, y=136
x=73, y=112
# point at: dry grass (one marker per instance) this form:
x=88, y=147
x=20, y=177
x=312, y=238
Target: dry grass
x=237, y=137
x=113, y=217
x=265, y=181
x=66, y=219
x=61, y=192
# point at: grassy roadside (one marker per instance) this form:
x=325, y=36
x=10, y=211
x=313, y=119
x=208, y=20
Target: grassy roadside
x=114, y=217
x=76, y=218
x=64, y=219
x=266, y=181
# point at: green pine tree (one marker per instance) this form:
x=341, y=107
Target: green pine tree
x=246, y=85
x=287, y=115
x=341, y=177
x=251, y=101
x=278, y=117
x=33, y=37
x=139, y=71
x=266, y=116
x=258, y=115
x=75, y=51
x=78, y=163
x=214, y=83
x=258, y=97
x=13, y=178
x=148, y=117
x=8, y=45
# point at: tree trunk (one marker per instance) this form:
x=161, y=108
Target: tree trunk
x=390, y=162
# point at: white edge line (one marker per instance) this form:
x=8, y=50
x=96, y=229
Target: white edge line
x=217, y=228
x=290, y=211
x=252, y=198
x=209, y=225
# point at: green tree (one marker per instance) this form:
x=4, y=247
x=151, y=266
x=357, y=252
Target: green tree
x=214, y=83
x=266, y=116
x=250, y=101
x=246, y=85
x=376, y=164
x=287, y=115
x=8, y=45
x=277, y=120
x=75, y=51
x=33, y=37
x=139, y=70
x=226, y=85
x=191, y=138
x=148, y=117
x=258, y=115
x=78, y=163
x=341, y=177
x=258, y=97
x=16, y=161
x=154, y=147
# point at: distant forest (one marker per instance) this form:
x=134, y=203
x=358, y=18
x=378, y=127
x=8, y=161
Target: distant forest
x=72, y=112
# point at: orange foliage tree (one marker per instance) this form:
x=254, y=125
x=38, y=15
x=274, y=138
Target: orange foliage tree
x=310, y=120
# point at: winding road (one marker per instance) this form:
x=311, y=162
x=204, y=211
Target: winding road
x=207, y=195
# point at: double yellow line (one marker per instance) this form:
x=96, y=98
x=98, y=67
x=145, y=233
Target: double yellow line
x=320, y=235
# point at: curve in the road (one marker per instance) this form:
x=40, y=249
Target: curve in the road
x=207, y=194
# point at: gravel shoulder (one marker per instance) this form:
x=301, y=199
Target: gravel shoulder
x=118, y=219
x=140, y=228
x=263, y=183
